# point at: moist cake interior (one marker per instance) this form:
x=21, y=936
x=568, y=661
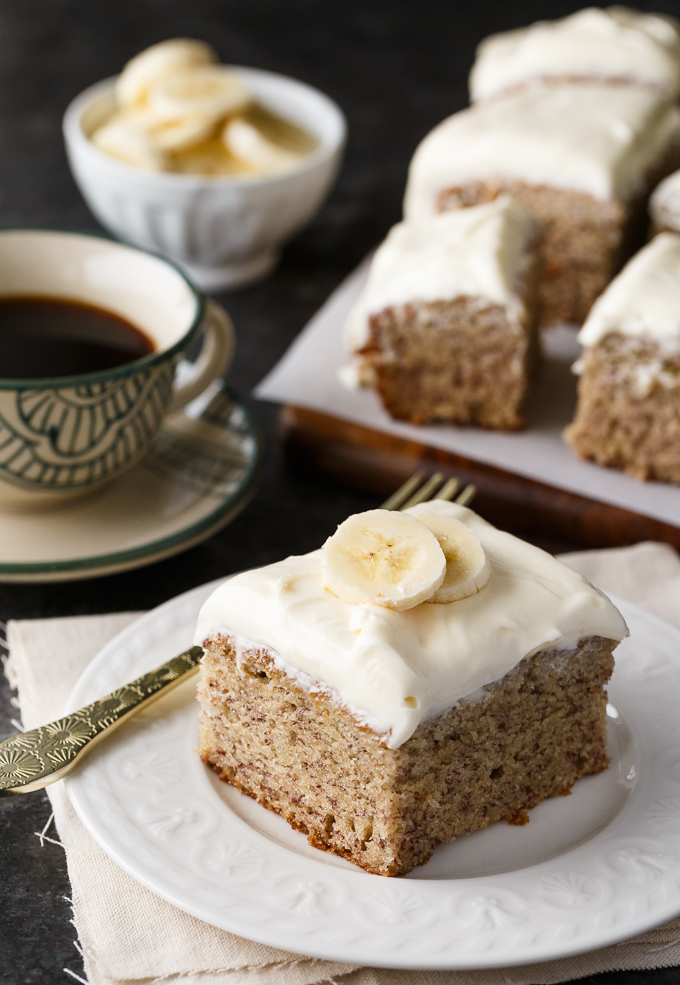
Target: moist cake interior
x=522, y=739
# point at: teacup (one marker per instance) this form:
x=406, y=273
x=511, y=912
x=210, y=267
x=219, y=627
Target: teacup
x=66, y=436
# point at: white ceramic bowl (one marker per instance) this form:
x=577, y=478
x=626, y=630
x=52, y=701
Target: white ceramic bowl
x=223, y=231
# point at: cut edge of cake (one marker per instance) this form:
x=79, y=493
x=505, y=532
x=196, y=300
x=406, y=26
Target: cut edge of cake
x=628, y=410
x=450, y=352
x=588, y=190
x=493, y=756
x=421, y=676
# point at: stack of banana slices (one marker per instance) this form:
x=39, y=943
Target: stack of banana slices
x=179, y=110
x=399, y=560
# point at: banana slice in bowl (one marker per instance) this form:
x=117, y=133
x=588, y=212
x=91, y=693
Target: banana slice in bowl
x=247, y=143
x=158, y=62
x=172, y=136
x=209, y=91
x=129, y=142
x=182, y=134
x=383, y=557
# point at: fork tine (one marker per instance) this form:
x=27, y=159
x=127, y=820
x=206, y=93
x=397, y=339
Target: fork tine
x=449, y=489
x=425, y=492
x=404, y=491
x=467, y=495
x=415, y=491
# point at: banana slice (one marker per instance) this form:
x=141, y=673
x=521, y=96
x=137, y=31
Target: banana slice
x=467, y=568
x=383, y=557
x=250, y=145
x=130, y=143
x=168, y=135
x=179, y=135
x=158, y=62
x=211, y=90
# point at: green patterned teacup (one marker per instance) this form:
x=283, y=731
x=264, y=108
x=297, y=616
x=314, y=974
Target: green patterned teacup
x=63, y=437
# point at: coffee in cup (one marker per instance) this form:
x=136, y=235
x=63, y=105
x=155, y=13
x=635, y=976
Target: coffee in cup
x=90, y=334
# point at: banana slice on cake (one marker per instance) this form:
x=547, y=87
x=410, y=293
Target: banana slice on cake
x=467, y=567
x=158, y=62
x=250, y=145
x=208, y=91
x=385, y=558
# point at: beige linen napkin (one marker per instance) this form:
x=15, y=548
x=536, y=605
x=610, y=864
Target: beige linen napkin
x=131, y=937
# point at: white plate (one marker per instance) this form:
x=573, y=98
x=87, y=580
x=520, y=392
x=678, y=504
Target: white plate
x=591, y=869
x=198, y=474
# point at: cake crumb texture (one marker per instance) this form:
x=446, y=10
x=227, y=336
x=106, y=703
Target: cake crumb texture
x=460, y=361
x=628, y=412
x=529, y=736
x=584, y=241
x=446, y=325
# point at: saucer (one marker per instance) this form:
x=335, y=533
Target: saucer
x=199, y=473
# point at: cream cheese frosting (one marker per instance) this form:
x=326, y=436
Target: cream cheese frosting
x=585, y=137
x=394, y=669
x=616, y=43
x=477, y=252
x=644, y=299
x=664, y=205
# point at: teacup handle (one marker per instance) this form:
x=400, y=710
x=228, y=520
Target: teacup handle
x=216, y=354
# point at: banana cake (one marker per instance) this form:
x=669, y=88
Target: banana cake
x=446, y=326
x=581, y=158
x=421, y=676
x=616, y=46
x=628, y=410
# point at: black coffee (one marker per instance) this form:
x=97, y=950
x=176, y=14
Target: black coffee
x=46, y=337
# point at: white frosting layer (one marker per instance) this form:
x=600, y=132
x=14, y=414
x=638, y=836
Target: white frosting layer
x=477, y=252
x=400, y=668
x=616, y=43
x=644, y=299
x=586, y=137
x=664, y=205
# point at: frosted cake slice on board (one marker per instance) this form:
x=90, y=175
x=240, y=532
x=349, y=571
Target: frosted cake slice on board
x=615, y=45
x=580, y=158
x=446, y=327
x=628, y=411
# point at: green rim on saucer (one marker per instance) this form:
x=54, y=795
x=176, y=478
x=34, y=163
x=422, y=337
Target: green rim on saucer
x=198, y=475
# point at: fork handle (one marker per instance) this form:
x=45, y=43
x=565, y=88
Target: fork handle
x=34, y=759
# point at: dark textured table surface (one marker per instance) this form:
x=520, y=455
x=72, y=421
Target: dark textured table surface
x=396, y=67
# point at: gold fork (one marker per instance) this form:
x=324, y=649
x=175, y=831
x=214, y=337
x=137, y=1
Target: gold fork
x=34, y=759
x=420, y=488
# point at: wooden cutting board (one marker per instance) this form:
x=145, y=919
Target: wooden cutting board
x=377, y=462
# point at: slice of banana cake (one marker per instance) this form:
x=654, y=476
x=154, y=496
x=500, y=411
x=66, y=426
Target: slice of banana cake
x=581, y=158
x=421, y=676
x=446, y=326
x=628, y=411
